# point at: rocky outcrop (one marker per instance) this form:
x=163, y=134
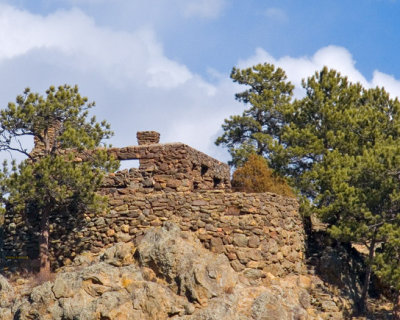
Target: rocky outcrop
x=6, y=298
x=189, y=270
x=167, y=274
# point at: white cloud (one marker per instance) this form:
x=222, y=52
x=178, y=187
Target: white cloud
x=338, y=58
x=203, y=8
x=136, y=56
x=391, y=84
x=135, y=85
x=298, y=68
x=87, y=1
x=276, y=14
x=152, y=11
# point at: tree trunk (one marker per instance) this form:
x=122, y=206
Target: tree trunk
x=44, y=273
x=362, y=305
x=44, y=245
x=396, y=307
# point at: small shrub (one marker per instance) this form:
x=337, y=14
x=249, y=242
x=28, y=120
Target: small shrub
x=256, y=176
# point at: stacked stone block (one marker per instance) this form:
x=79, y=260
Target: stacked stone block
x=147, y=137
x=176, y=166
x=259, y=233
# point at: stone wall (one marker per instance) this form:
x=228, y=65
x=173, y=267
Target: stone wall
x=147, y=137
x=255, y=231
x=172, y=166
x=174, y=182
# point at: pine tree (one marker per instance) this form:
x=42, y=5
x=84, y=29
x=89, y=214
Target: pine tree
x=53, y=179
x=339, y=147
x=261, y=124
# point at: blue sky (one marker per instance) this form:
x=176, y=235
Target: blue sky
x=164, y=64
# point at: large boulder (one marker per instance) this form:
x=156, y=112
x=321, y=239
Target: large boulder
x=188, y=268
x=6, y=298
x=168, y=275
x=6, y=292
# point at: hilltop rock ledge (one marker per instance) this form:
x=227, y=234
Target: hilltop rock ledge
x=167, y=274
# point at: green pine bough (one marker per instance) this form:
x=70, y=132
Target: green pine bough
x=339, y=147
x=50, y=180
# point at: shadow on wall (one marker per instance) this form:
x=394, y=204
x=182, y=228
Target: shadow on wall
x=20, y=249
x=64, y=224
x=19, y=241
x=342, y=266
x=162, y=169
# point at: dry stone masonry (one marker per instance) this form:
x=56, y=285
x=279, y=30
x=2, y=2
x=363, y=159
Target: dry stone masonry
x=258, y=233
x=169, y=275
x=169, y=167
x=148, y=137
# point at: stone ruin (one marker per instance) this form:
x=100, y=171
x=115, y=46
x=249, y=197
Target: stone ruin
x=259, y=233
x=168, y=167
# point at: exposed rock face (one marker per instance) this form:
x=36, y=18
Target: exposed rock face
x=167, y=275
x=190, y=271
x=6, y=298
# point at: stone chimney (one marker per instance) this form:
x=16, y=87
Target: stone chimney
x=38, y=146
x=147, y=137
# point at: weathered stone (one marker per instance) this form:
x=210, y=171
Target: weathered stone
x=182, y=268
x=170, y=276
x=224, y=221
x=240, y=240
x=285, y=250
x=231, y=256
x=254, y=254
x=237, y=266
x=243, y=255
x=100, y=222
x=120, y=254
x=329, y=306
x=123, y=237
x=253, y=274
x=304, y=282
x=148, y=182
x=255, y=264
x=64, y=286
x=147, y=137
x=6, y=293
x=199, y=203
x=254, y=241
x=110, y=232
x=304, y=299
x=125, y=228
x=216, y=245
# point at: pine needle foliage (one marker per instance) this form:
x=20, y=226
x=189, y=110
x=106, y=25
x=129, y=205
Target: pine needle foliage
x=55, y=179
x=268, y=96
x=339, y=146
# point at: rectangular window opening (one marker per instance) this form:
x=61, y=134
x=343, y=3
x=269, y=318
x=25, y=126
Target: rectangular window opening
x=128, y=164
